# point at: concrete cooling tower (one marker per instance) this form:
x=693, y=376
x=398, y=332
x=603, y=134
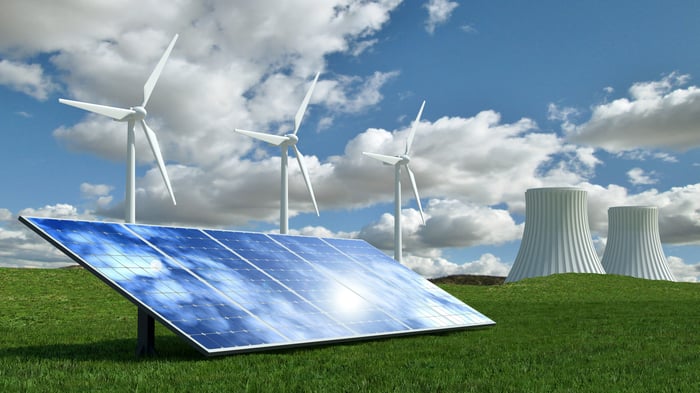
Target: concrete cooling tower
x=634, y=246
x=557, y=238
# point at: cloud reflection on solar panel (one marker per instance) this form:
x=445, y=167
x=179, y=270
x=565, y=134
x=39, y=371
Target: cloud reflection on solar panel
x=226, y=291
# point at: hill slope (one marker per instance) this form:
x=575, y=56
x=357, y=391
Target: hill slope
x=65, y=330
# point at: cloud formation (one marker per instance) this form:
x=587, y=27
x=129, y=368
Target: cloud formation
x=683, y=271
x=471, y=168
x=20, y=247
x=26, y=78
x=658, y=114
x=436, y=266
x=637, y=176
x=439, y=11
x=460, y=163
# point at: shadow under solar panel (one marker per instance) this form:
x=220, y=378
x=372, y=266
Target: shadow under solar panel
x=228, y=292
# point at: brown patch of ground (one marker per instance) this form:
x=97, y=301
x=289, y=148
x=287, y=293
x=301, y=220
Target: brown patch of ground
x=469, y=279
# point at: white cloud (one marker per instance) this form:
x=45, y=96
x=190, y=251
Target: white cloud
x=453, y=223
x=476, y=160
x=679, y=209
x=381, y=233
x=683, y=271
x=215, y=81
x=95, y=190
x=277, y=99
x=61, y=210
x=103, y=137
x=439, y=11
x=319, y=231
x=658, y=114
x=644, y=155
x=20, y=247
x=353, y=94
x=665, y=157
x=32, y=26
x=449, y=223
x=564, y=114
x=432, y=267
x=26, y=78
x=637, y=176
x=99, y=193
x=360, y=47
x=256, y=82
x=225, y=179
x=468, y=29
x=5, y=215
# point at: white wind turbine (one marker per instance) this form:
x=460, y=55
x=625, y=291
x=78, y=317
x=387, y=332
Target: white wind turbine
x=131, y=116
x=397, y=162
x=146, y=323
x=284, y=141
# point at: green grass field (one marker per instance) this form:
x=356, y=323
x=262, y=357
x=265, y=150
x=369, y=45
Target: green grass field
x=64, y=330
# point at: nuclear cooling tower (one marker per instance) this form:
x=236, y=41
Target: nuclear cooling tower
x=634, y=246
x=557, y=238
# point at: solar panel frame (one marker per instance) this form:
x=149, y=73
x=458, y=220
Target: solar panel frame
x=206, y=249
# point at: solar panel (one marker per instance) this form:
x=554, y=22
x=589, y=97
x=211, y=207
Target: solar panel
x=227, y=291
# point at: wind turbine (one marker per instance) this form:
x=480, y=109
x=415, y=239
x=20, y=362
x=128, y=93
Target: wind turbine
x=284, y=142
x=145, y=322
x=133, y=115
x=397, y=162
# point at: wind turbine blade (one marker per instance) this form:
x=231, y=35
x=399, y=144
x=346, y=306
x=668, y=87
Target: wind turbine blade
x=304, y=104
x=409, y=142
x=415, y=191
x=276, y=140
x=151, y=82
x=109, y=111
x=305, y=173
x=153, y=141
x=391, y=160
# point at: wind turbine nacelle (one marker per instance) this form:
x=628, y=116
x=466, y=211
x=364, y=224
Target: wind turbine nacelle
x=139, y=113
x=291, y=139
x=405, y=159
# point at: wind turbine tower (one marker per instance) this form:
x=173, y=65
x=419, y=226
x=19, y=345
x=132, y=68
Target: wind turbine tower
x=634, y=245
x=398, y=162
x=131, y=116
x=284, y=142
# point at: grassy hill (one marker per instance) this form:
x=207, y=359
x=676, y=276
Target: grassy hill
x=63, y=330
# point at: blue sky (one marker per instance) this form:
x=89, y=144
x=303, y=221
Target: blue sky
x=598, y=95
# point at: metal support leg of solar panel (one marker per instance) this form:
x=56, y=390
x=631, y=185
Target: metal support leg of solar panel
x=145, y=334
x=227, y=292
